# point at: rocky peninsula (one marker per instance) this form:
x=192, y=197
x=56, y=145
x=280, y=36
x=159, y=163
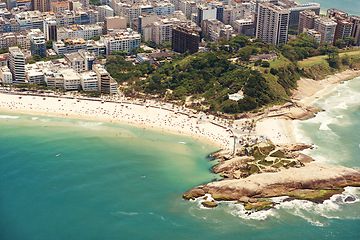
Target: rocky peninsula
x=259, y=170
x=282, y=172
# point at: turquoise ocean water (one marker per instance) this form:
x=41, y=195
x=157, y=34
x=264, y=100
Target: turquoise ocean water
x=121, y=182
x=349, y=6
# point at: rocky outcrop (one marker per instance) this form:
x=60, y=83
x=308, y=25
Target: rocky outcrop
x=313, y=176
x=209, y=204
x=230, y=165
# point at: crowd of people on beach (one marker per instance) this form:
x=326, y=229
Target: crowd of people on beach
x=141, y=115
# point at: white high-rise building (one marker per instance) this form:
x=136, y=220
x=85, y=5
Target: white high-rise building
x=272, y=23
x=17, y=65
x=205, y=12
x=105, y=11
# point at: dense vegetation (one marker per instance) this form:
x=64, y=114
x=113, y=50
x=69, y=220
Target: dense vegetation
x=205, y=80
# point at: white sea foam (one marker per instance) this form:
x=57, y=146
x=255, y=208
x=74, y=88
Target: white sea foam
x=8, y=117
x=34, y=118
x=342, y=105
x=182, y=142
x=125, y=213
x=45, y=119
x=317, y=214
x=238, y=210
x=324, y=127
x=89, y=124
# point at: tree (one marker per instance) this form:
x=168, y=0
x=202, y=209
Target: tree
x=230, y=106
x=166, y=45
x=258, y=62
x=340, y=43
x=349, y=41
x=265, y=64
x=293, y=32
x=95, y=38
x=4, y=50
x=150, y=44
x=95, y=2
x=273, y=71
x=36, y=58
x=49, y=44
x=120, y=53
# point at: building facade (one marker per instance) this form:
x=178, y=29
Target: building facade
x=272, y=23
x=185, y=39
x=17, y=65
x=326, y=27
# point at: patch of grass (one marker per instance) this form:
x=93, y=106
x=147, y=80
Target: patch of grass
x=280, y=62
x=258, y=206
x=291, y=164
x=313, y=61
x=209, y=204
x=253, y=169
x=265, y=163
x=267, y=150
x=278, y=165
x=278, y=153
x=256, y=153
x=316, y=195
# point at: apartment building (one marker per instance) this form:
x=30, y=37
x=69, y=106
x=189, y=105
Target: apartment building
x=114, y=23
x=122, y=40
x=104, y=12
x=80, y=31
x=34, y=75
x=50, y=30
x=106, y=83
x=245, y=26
x=5, y=75
x=41, y=5
x=17, y=65
x=59, y=7
x=216, y=30
x=272, y=23
x=306, y=20
x=69, y=45
x=326, y=27
x=89, y=81
x=205, y=12
x=38, y=45
x=185, y=38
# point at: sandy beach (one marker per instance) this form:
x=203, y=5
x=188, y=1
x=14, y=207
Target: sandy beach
x=309, y=90
x=277, y=129
x=280, y=130
x=118, y=113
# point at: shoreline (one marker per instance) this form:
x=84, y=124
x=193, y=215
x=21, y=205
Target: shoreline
x=133, y=114
x=274, y=125
x=305, y=95
x=249, y=180
x=285, y=174
x=309, y=90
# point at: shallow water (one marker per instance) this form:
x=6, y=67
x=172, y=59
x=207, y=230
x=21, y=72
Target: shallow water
x=120, y=182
